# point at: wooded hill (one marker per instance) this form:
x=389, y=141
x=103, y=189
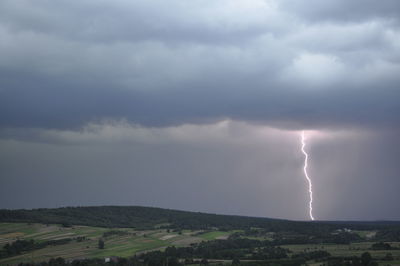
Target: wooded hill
x=149, y=217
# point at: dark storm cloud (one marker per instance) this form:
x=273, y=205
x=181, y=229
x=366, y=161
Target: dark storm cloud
x=158, y=63
x=344, y=11
x=102, y=21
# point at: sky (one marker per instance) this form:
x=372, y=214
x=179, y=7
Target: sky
x=199, y=105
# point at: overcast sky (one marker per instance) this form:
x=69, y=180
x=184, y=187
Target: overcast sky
x=198, y=105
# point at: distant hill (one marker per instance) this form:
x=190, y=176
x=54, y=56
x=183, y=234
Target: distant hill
x=149, y=217
x=133, y=216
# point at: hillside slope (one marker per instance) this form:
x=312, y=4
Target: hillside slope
x=149, y=217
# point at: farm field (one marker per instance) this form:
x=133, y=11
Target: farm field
x=129, y=243
x=125, y=242
x=352, y=249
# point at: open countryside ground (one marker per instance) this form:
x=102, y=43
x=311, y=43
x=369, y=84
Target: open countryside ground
x=130, y=242
x=126, y=245
x=353, y=249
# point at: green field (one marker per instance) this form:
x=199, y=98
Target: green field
x=126, y=242
x=127, y=245
x=214, y=235
x=353, y=249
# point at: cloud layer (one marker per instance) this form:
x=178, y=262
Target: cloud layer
x=156, y=63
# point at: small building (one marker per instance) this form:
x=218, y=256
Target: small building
x=111, y=259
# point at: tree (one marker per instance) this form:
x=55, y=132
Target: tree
x=366, y=258
x=389, y=256
x=57, y=262
x=101, y=243
x=235, y=261
x=204, y=262
x=173, y=261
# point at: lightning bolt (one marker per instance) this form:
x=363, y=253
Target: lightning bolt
x=303, y=145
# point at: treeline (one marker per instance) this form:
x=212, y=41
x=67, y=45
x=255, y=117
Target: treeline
x=158, y=258
x=313, y=255
x=148, y=217
x=390, y=234
x=316, y=238
x=293, y=238
x=145, y=218
x=116, y=233
x=20, y=246
x=159, y=262
x=229, y=249
x=364, y=260
x=245, y=252
x=382, y=246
